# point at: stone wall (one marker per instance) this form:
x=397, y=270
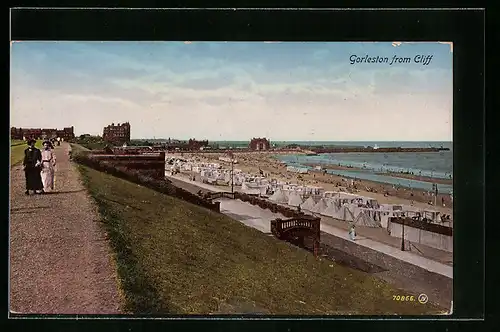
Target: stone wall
x=143, y=177
x=420, y=236
x=151, y=164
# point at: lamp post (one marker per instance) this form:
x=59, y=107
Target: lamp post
x=403, y=235
x=232, y=175
x=232, y=170
x=435, y=194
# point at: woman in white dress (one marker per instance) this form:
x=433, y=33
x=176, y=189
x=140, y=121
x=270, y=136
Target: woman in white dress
x=48, y=166
x=352, y=232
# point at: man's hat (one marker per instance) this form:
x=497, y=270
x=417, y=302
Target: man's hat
x=30, y=140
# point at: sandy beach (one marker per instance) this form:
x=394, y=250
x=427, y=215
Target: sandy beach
x=384, y=193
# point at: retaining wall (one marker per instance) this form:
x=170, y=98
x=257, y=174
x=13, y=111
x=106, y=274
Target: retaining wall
x=420, y=236
x=275, y=208
x=145, y=178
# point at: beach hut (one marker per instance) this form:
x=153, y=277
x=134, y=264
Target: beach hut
x=309, y=204
x=430, y=214
x=368, y=218
x=330, y=194
x=294, y=199
x=333, y=209
x=279, y=197
x=346, y=214
x=244, y=187
x=320, y=207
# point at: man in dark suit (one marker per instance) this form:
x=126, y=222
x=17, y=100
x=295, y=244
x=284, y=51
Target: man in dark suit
x=32, y=167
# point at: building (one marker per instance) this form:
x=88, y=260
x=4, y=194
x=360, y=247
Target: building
x=42, y=133
x=118, y=134
x=197, y=145
x=67, y=133
x=259, y=144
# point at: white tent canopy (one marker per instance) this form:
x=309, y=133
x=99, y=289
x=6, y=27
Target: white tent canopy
x=320, y=207
x=369, y=218
x=309, y=204
x=333, y=210
x=279, y=197
x=294, y=199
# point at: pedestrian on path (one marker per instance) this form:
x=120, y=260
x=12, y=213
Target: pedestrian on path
x=48, y=166
x=32, y=166
x=352, y=232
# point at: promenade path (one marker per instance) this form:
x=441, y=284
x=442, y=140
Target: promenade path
x=60, y=259
x=327, y=226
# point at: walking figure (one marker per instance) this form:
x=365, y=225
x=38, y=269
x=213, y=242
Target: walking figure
x=48, y=166
x=352, y=232
x=32, y=167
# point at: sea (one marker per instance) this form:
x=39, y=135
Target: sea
x=373, y=164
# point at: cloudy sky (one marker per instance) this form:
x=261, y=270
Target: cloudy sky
x=235, y=91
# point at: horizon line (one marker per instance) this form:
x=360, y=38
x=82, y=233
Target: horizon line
x=285, y=140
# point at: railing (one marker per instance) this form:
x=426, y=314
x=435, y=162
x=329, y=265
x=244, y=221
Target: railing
x=217, y=195
x=280, y=228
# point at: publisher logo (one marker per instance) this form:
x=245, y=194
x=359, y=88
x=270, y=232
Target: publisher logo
x=422, y=298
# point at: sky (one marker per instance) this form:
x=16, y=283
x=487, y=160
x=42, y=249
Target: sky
x=235, y=90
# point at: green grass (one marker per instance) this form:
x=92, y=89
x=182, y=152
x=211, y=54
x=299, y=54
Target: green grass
x=14, y=142
x=17, y=150
x=77, y=149
x=176, y=257
x=92, y=142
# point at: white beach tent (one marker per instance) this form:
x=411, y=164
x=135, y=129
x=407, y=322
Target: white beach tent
x=245, y=188
x=320, y=207
x=366, y=218
x=309, y=204
x=294, y=199
x=279, y=197
x=347, y=214
x=333, y=209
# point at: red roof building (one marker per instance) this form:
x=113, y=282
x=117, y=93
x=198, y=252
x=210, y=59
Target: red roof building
x=42, y=133
x=118, y=134
x=260, y=144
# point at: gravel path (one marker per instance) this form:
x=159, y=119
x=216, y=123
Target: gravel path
x=60, y=259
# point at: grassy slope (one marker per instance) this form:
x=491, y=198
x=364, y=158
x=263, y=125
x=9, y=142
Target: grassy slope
x=92, y=143
x=77, y=149
x=175, y=257
x=17, y=150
